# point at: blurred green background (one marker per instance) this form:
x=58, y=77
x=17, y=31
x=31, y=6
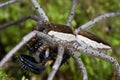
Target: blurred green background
x=57, y=11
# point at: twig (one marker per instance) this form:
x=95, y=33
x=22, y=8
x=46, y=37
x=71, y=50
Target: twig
x=80, y=64
x=17, y=47
x=40, y=11
x=71, y=14
x=96, y=20
x=9, y=2
x=19, y=21
x=57, y=62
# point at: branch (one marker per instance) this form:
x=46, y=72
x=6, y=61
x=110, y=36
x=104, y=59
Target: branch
x=71, y=14
x=9, y=2
x=80, y=64
x=40, y=11
x=19, y=21
x=96, y=20
x=17, y=47
x=57, y=62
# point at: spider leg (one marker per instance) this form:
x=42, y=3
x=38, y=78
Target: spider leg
x=24, y=18
x=79, y=63
x=57, y=62
x=66, y=56
x=41, y=52
x=30, y=64
x=30, y=49
x=99, y=54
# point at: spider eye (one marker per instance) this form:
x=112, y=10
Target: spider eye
x=30, y=64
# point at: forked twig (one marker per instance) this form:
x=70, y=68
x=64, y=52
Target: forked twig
x=17, y=47
x=96, y=20
x=72, y=12
x=57, y=62
x=9, y=2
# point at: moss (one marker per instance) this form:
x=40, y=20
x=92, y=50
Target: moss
x=4, y=76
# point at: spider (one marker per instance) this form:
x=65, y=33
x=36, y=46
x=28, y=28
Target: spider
x=42, y=54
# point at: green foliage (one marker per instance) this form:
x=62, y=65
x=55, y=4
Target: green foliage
x=3, y=76
x=57, y=11
x=23, y=78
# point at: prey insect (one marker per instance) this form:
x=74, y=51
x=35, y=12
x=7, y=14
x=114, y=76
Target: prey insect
x=43, y=54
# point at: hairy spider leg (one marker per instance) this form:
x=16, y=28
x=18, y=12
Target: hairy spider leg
x=30, y=64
